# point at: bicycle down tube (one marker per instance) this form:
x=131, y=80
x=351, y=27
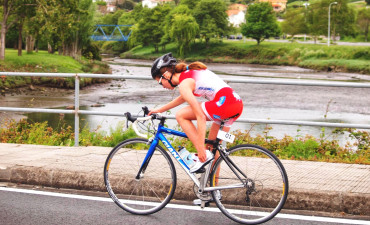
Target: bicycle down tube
x=159, y=136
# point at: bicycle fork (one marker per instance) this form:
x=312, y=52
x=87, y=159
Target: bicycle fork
x=146, y=161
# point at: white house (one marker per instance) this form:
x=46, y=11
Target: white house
x=236, y=14
x=149, y=3
x=111, y=8
x=236, y=17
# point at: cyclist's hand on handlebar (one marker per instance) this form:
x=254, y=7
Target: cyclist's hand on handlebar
x=153, y=111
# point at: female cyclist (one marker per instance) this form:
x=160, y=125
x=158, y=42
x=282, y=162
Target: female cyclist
x=196, y=80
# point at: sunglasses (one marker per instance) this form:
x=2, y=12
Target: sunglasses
x=160, y=80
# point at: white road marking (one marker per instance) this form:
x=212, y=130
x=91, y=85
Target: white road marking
x=188, y=207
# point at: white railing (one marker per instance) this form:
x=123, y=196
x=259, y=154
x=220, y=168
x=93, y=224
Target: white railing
x=76, y=111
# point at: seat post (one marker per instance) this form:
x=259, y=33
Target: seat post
x=222, y=125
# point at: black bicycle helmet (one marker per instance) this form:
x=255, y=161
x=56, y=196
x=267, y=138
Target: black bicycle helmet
x=163, y=61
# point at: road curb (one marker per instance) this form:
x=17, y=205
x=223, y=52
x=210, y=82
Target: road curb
x=338, y=202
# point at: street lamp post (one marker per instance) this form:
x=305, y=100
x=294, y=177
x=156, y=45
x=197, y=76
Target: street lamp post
x=329, y=22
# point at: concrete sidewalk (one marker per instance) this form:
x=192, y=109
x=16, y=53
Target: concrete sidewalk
x=319, y=186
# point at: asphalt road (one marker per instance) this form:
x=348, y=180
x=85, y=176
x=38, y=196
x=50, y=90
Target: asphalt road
x=24, y=206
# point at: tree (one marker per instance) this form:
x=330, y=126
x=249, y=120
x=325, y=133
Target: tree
x=363, y=21
x=128, y=19
x=189, y=3
x=212, y=18
x=181, y=9
x=317, y=22
x=30, y=24
x=58, y=22
x=342, y=18
x=294, y=22
x=125, y=4
x=9, y=8
x=66, y=25
x=184, y=29
x=150, y=25
x=260, y=23
x=84, y=23
x=157, y=16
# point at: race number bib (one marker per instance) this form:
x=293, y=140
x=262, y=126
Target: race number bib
x=225, y=136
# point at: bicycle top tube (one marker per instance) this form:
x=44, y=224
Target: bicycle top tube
x=161, y=127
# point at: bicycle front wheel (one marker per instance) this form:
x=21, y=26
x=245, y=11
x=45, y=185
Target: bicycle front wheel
x=152, y=189
x=256, y=181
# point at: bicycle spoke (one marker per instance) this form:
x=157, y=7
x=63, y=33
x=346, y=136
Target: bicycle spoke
x=139, y=196
x=258, y=201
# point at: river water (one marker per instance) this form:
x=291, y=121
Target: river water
x=261, y=101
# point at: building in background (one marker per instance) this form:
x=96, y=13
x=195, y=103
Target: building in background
x=111, y=8
x=278, y=5
x=236, y=14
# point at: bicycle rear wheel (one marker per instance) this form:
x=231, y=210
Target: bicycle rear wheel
x=265, y=190
x=155, y=187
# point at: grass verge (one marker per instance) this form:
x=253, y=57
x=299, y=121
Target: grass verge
x=44, y=62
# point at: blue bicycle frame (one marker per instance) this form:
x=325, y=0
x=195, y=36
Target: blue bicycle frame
x=160, y=137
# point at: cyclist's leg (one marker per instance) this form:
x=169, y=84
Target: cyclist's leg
x=184, y=117
x=212, y=136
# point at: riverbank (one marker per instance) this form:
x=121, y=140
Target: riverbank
x=336, y=58
x=44, y=62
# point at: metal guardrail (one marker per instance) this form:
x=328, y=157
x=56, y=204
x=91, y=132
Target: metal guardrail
x=77, y=111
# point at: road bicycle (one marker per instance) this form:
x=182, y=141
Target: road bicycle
x=247, y=183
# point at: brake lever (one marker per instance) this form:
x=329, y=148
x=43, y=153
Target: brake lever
x=125, y=114
x=146, y=110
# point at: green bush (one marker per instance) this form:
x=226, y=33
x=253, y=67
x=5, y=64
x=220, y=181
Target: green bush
x=362, y=54
x=101, y=3
x=294, y=148
x=301, y=149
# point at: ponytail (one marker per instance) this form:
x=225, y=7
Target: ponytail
x=181, y=67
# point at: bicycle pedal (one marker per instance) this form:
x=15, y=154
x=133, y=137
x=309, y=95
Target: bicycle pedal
x=201, y=203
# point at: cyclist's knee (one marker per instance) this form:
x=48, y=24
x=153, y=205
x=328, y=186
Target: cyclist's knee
x=179, y=116
x=185, y=114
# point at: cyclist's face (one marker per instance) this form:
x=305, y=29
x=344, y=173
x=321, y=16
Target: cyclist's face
x=163, y=80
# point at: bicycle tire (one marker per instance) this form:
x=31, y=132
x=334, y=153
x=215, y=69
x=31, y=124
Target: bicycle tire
x=266, y=188
x=155, y=187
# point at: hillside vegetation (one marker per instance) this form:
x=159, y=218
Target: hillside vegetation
x=315, y=56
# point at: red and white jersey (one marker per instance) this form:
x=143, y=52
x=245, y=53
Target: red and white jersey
x=207, y=84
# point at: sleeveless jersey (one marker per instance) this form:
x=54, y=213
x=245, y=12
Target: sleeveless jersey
x=207, y=84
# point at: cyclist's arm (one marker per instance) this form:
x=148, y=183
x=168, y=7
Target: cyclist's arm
x=172, y=104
